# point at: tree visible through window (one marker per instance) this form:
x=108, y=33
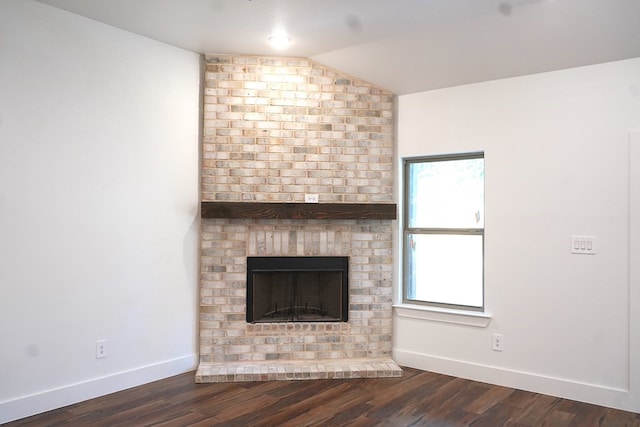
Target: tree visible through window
x=444, y=231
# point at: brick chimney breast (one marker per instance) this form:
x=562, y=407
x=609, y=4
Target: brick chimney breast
x=275, y=129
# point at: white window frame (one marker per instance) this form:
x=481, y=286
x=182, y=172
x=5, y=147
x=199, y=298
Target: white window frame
x=407, y=231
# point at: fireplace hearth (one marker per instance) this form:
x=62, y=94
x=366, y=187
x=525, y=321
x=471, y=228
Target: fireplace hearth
x=297, y=289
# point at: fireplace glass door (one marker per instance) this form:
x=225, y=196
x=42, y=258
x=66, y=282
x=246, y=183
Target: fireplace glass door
x=297, y=289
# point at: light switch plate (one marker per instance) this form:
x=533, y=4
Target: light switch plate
x=585, y=245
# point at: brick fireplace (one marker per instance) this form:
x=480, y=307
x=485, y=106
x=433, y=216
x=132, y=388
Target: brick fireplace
x=276, y=129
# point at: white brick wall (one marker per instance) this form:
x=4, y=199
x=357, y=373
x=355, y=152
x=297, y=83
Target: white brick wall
x=269, y=117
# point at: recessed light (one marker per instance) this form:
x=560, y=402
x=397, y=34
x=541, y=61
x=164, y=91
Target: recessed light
x=280, y=40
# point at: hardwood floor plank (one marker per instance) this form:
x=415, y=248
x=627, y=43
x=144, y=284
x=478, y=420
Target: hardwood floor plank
x=615, y=417
x=557, y=418
x=520, y=399
x=455, y=407
x=489, y=398
x=537, y=410
x=583, y=413
x=417, y=399
x=302, y=409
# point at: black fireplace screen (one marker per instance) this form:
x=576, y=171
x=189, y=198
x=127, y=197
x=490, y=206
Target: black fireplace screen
x=297, y=289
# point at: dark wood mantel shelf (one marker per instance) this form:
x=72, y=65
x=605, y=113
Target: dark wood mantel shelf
x=253, y=210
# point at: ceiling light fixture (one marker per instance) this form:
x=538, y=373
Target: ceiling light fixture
x=280, y=40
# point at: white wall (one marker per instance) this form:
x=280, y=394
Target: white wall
x=558, y=163
x=98, y=208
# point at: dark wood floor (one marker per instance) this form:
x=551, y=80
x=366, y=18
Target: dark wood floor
x=417, y=399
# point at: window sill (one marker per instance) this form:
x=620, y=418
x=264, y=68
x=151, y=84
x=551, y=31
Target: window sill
x=460, y=317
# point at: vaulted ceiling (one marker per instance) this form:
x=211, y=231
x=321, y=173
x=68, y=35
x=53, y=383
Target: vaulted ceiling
x=405, y=46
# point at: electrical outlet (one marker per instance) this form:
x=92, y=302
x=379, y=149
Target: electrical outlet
x=311, y=198
x=101, y=349
x=497, y=342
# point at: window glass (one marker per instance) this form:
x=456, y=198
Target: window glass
x=445, y=268
x=447, y=194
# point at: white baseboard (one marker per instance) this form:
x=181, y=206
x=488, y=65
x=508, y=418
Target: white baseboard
x=37, y=403
x=611, y=397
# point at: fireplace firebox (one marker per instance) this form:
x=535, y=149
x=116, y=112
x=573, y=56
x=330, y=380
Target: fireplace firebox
x=297, y=289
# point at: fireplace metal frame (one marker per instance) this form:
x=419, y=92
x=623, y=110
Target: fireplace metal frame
x=299, y=264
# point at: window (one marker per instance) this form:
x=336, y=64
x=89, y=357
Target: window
x=444, y=231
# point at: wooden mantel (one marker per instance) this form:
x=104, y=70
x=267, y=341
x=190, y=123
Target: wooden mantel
x=253, y=210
